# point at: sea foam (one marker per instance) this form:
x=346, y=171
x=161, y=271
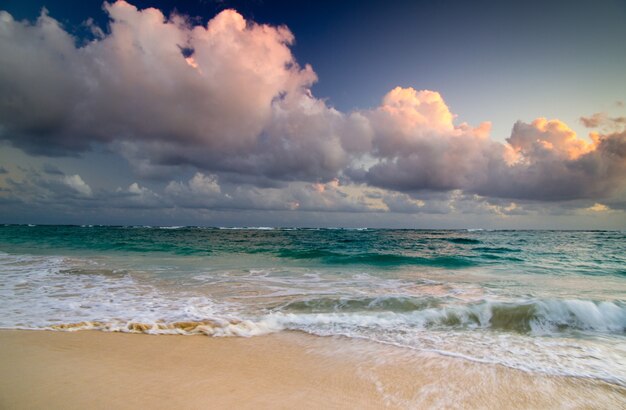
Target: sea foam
x=546, y=302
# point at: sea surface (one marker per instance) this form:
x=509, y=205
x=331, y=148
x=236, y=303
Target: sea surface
x=550, y=302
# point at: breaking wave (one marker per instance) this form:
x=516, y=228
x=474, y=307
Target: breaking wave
x=376, y=259
x=538, y=317
x=210, y=327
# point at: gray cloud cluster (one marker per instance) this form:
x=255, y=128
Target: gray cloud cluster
x=55, y=190
x=43, y=188
x=601, y=119
x=228, y=99
x=203, y=191
x=48, y=195
x=551, y=163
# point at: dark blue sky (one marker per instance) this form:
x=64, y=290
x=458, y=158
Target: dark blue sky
x=128, y=130
x=500, y=61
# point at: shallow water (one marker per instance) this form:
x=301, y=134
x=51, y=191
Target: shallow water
x=543, y=301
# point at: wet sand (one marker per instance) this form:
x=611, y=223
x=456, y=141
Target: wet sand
x=90, y=369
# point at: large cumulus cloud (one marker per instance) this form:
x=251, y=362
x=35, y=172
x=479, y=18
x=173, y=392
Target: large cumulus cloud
x=417, y=147
x=225, y=96
x=550, y=162
x=229, y=100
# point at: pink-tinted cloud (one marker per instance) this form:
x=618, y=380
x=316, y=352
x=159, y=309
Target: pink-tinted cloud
x=541, y=138
x=553, y=163
x=419, y=146
x=229, y=94
x=229, y=100
x=416, y=147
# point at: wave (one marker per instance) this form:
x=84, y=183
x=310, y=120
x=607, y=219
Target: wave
x=216, y=327
x=463, y=241
x=42, y=290
x=580, y=338
x=370, y=304
x=377, y=259
x=348, y=317
x=248, y=228
x=502, y=258
x=538, y=317
x=496, y=249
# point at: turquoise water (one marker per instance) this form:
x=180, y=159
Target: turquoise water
x=542, y=301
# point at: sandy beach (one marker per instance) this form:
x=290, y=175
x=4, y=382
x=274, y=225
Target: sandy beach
x=274, y=204
x=89, y=369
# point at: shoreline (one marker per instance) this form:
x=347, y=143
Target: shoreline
x=48, y=369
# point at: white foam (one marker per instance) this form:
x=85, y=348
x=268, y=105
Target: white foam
x=550, y=318
x=581, y=314
x=40, y=292
x=598, y=358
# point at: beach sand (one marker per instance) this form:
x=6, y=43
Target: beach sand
x=90, y=369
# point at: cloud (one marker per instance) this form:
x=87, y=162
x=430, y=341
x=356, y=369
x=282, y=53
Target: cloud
x=403, y=203
x=134, y=196
x=42, y=83
x=77, y=184
x=598, y=207
x=206, y=191
x=36, y=187
x=228, y=103
x=547, y=138
x=332, y=196
x=452, y=202
x=36, y=196
x=601, y=119
x=416, y=147
x=227, y=96
x=594, y=120
x=201, y=191
x=552, y=163
x=51, y=169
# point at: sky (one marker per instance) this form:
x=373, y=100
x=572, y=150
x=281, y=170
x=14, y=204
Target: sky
x=403, y=114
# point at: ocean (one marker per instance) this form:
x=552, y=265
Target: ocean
x=546, y=302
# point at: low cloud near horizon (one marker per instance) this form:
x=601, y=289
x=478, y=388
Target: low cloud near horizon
x=229, y=101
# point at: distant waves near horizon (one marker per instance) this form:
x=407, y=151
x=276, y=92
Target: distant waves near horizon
x=550, y=302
